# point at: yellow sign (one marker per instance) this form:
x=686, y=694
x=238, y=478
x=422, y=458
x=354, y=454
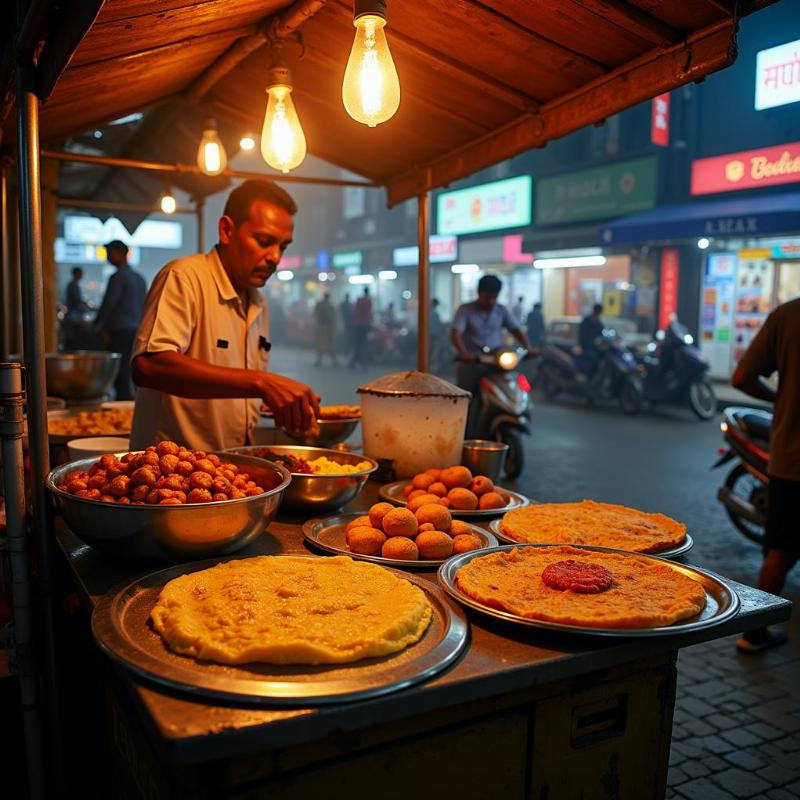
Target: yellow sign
x=754, y=255
x=612, y=303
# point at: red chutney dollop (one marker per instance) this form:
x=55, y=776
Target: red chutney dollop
x=577, y=576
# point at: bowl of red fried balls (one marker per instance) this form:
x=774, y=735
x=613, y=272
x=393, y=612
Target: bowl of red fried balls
x=168, y=501
x=455, y=488
x=427, y=533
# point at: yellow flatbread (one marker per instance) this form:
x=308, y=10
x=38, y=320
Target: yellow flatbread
x=286, y=610
x=644, y=593
x=596, y=524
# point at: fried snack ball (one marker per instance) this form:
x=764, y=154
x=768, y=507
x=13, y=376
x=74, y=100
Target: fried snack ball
x=199, y=496
x=180, y=495
x=366, y=541
x=252, y=491
x=184, y=454
x=481, y=485
x=144, y=476
x=174, y=482
x=75, y=485
x=167, y=449
x=214, y=459
x=455, y=477
x=445, y=502
x=438, y=488
x=400, y=522
x=218, y=485
x=109, y=498
x=120, y=486
x=400, y=547
x=434, y=544
x=124, y=501
x=168, y=463
x=98, y=480
x=435, y=514
x=426, y=526
x=171, y=501
x=407, y=489
x=458, y=527
x=218, y=496
x=492, y=500
x=422, y=481
x=435, y=473
x=422, y=500
x=204, y=465
x=200, y=480
x=462, y=499
x=89, y=494
x=348, y=534
x=149, y=459
x=414, y=493
x=139, y=493
x=377, y=512
x=465, y=542
x=359, y=522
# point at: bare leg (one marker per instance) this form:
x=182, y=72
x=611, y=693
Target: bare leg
x=774, y=570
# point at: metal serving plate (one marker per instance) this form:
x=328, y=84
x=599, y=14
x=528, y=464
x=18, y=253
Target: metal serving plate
x=673, y=552
x=327, y=533
x=721, y=601
x=120, y=624
x=393, y=493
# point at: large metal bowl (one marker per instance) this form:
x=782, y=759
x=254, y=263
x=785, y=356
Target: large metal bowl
x=194, y=530
x=312, y=494
x=81, y=374
x=331, y=432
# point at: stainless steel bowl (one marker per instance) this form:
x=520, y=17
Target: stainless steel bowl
x=331, y=432
x=312, y=494
x=162, y=533
x=81, y=374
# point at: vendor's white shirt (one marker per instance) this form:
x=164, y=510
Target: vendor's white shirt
x=192, y=308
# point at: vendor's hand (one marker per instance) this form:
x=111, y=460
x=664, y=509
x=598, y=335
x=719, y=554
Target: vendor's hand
x=294, y=406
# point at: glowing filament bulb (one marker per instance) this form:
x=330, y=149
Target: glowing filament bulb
x=283, y=143
x=371, y=88
x=211, y=157
x=168, y=202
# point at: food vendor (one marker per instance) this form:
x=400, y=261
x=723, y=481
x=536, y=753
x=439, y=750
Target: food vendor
x=202, y=348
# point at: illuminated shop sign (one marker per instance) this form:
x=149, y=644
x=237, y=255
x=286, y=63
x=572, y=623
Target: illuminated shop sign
x=488, y=207
x=778, y=75
x=441, y=249
x=290, y=262
x=73, y=253
x=151, y=233
x=352, y=258
x=749, y=169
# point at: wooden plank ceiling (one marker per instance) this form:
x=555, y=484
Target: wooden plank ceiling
x=480, y=81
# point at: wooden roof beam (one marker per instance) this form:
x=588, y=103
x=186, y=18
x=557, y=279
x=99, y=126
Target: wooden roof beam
x=704, y=52
x=634, y=20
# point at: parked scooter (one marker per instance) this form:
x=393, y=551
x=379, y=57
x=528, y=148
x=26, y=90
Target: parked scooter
x=504, y=404
x=677, y=372
x=744, y=493
x=616, y=373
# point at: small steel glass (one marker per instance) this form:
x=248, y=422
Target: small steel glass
x=484, y=457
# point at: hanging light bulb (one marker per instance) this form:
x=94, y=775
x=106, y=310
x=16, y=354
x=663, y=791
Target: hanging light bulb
x=283, y=143
x=211, y=156
x=247, y=142
x=168, y=201
x=371, y=89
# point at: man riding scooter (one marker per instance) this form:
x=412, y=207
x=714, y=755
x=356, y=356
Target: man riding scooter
x=478, y=325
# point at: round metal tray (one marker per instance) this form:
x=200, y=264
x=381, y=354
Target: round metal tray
x=327, y=533
x=393, y=493
x=120, y=624
x=721, y=601
x=673, y=552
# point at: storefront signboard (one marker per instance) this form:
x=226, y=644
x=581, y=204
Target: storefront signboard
x=786, y=250
x=487, y=207
x=291, y=262
x=323, y=260
x=716, y=324
x=75, y=253
x=766, y=166
x=441, y=250
x=512, y=251
x=597, y=193
x=668, y=287
x=778, y=75
x=150, y=233
x=659, y=120
x=352, y=258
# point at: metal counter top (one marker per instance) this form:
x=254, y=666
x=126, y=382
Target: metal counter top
x=500, y=659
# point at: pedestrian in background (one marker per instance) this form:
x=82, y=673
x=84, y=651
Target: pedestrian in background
x=325, y=330
x=76, y=305
x=362, y=322
x=777, y=348
x=120, y=314
x=535, y=325
x=346, y=315
x=518, y=311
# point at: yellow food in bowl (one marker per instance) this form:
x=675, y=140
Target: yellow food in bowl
x=324, y=466
x=92, y=423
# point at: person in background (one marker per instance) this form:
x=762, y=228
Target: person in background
x=518, y=311
x=346, y=315
x=477, y=325
x=325, y=330
x=76, y=305
x=202, y=349
x=590, y=329
x=535, y=325
x=777, y=348
x=120, y=313
x=362, y=322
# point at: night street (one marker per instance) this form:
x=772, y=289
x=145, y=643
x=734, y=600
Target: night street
x=747, y=745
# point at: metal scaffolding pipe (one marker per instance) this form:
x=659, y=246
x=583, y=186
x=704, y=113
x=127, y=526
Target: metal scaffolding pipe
x=193, y=169
x=424, y=284
x=30, y=235
x=5, y=267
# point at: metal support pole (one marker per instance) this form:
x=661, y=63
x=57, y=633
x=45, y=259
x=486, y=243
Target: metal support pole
x=30, y=234
x=5, y=267
x=20, y=636
x=198, y=209
x=424, y=279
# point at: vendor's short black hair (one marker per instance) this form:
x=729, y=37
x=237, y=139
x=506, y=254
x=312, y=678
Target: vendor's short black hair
x=241, y=198
x=116, y=244
x=490, y=284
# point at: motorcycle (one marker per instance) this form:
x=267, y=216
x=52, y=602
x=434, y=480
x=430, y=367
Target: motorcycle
x=504, y=404
x=744, y=493
x=675, y=371
x=566, y=369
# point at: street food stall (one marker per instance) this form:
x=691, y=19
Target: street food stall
x=499, y=705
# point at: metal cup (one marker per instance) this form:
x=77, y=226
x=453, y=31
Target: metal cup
x=483, y=457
